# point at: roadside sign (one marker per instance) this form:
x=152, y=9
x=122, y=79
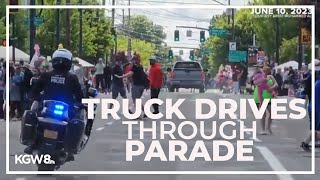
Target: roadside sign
x=232, y=46
x=217, y=32
x=237, y=56
x=37, y=21
x=305, y=36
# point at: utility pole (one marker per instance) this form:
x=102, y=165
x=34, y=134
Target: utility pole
x=232, y=18
x=113, y=52
x=68, y=26
x=233, y=29
x=129, y=26
x=80, y=29
x=228, y=12
x=104, y=3
x=123, y=19
x=277, y=37
x=58, y=24
x=32, y=29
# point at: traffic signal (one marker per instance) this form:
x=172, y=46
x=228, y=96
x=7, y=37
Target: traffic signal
x=202, y=36
x=14, y=2
x=170, y=56
x=191, y=54
x=176, y=35
x=4, y=42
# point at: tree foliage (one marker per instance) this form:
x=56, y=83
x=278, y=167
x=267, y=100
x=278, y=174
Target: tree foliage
x=142, y=24
x=97, y=39
x=288, y=49
x=246, y=25
x=144, y=49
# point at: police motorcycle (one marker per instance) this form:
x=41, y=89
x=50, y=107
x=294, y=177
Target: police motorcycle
x=54, y=133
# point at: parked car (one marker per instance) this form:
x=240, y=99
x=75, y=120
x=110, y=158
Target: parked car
x=186, y=74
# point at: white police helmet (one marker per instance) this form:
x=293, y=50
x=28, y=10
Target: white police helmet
x=62, y=53
x=62, y=60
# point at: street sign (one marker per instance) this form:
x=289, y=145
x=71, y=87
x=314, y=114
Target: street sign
x=232, y=46
x=305, y=36
x=37, y=21
x=237, y=56
x=217, y=32
x=189, y=33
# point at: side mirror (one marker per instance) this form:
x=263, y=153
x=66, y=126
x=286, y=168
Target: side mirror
x=169, y=69
x=92, y=92
x=205, y=70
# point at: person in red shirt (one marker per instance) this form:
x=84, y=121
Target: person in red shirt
x=156, y=78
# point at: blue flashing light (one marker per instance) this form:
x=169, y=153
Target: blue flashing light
x=59, y=107
x=58, y=112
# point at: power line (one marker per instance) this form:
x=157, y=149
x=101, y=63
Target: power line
x=181, y=15
x=172, y=2
x=170, y=17
x=123, y=3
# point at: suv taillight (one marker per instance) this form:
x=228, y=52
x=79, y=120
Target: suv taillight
x=172, y=74
x=203, y=76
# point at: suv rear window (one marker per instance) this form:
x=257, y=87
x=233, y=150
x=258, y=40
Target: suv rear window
x=187, y=65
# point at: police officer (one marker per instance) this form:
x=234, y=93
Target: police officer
x=58, y=84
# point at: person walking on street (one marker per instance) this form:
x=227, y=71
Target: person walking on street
x=99, y=74
x=266, y=120
x=235, y=78
x=107, y=72
x=26, y=87
x=139, y=78
x=156, y=77
x=308, y=88
x=117, y=83
x=279, y=79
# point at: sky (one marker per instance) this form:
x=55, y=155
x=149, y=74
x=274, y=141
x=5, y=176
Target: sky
x=170, y=18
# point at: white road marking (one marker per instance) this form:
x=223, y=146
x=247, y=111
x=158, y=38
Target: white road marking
x=274, y=162
x=109, y=123
x=100, y=129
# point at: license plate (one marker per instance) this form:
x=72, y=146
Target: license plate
x=50, y=134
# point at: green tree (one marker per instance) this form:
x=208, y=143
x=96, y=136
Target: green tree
x=242, y=36
x=265, y=28
x=143, y=25
x=141, y=47
x=288, y=49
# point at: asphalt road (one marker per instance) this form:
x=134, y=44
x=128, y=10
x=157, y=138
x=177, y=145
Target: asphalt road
x=106, y=150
